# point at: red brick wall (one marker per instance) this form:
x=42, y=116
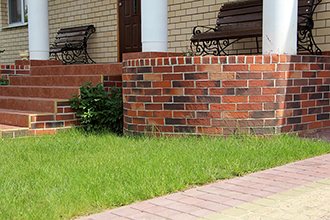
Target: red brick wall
x=112, y=81
x=64, y=117
x=14, y=69
x=226, y=95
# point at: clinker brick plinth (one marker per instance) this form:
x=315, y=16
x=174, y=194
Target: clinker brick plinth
x=223, y=95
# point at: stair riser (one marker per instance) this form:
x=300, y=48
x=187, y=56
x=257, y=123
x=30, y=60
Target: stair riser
x=55, y=81
x=14, y=119
x=28, y=105
x=15, y=133
x=96, y=69
x=37, y=62
x=64, y=118
x=59, y=93
x=39, y=122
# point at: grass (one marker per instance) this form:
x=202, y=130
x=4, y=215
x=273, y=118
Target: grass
x=70, y=174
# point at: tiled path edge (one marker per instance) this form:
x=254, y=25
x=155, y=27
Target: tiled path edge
x=232, y=198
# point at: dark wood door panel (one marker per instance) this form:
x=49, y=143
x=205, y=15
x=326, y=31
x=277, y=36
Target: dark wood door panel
x=129, y=26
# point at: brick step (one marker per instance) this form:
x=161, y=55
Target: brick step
x=37, y=62
x=37, y=120
x=57, y=92
x=18, y=118
x=77, y=80
x=29, y=104
x=7, y=131
x=87, y=69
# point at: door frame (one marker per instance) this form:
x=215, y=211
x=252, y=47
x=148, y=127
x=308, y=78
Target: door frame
x=118, y=29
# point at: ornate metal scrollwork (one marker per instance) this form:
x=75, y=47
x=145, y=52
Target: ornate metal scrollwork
x=214, y=47
x=211, y=47
x=202, y=29
x=306, y=41
x=71, y=53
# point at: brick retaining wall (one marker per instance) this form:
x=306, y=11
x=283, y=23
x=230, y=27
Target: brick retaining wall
x=14, y=69
x=225, y=95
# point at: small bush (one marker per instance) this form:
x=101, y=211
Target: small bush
x=99, y=110
x=4, y=81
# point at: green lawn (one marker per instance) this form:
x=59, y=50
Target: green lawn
x=67, y=175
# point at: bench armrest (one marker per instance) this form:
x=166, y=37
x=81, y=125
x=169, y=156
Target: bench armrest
x=202, y=29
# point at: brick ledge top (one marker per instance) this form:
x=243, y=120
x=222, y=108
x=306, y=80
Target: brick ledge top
x=163, y=59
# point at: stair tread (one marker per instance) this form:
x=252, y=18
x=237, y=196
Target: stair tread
x=29, y=86
x=20, y=112
x=4, y=127
x=41, y=76
x=33, y=98
x=110, y=69
x=79, y=65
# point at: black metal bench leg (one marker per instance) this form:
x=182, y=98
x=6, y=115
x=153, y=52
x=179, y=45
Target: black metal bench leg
x=257, y=42
x=88, y=58
x=306, y=43
x=313, y=46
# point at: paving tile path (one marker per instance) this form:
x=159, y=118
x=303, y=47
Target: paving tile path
x=299, y=190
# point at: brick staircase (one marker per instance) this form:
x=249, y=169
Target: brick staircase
x=36, y=99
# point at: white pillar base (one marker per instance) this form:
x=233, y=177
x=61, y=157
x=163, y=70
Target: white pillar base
x=155, y=46
x=39, y=55
x=154, y=15
x=280, y=26
x=38, y=29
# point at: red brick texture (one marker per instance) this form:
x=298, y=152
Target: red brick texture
x=63, y=117
x=14, y=69
x=226, y=95
x=112, y=81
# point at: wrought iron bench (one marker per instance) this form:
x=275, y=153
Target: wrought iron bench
x=243, y=19
x=70, y=45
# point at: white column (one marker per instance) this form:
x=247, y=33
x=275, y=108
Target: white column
x=154, y=25
x=38, y=29
x=280, y=26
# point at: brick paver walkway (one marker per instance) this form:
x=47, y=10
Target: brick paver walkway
x=300, y=190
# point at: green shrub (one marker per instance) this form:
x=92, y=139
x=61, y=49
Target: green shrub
x=4, y=81
x=99, y=110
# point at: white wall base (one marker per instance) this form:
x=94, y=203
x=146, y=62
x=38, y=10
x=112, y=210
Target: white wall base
x=280, y=26
x=154, y=16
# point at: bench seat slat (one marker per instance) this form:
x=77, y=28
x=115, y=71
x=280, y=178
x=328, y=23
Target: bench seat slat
x=243, y=4
x=248, y=17
x=240, y=4
x=70, y=39
x=305, y=3
x=72, y=34
x=72, y=44
x=227, y=35
x=240, y=18
x=76, y=29
x=241, y=11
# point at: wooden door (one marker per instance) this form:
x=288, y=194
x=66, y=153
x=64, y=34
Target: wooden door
x=129, y=26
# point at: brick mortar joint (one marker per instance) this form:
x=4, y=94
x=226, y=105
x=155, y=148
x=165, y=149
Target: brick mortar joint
x=226, y=60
